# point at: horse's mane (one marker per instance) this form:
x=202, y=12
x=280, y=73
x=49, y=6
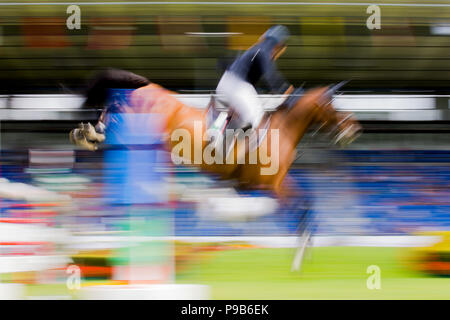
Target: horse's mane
x=97, y=89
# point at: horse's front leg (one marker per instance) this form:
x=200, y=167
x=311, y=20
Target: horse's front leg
x=295, y=202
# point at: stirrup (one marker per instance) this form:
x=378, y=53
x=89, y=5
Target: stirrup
x=258, y=134
x=220, y=123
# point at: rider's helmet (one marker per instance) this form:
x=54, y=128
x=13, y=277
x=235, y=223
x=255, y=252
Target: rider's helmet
x=279, y=34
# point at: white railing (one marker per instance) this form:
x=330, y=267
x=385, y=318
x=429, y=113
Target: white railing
x=366, y=107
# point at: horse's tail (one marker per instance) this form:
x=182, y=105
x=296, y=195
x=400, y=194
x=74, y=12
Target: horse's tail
x=97, y=90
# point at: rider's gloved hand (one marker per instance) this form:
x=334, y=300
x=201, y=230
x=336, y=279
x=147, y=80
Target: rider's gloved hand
x=294, y=95
x=289, y=90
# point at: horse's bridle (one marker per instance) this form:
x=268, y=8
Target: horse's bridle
x=340, y=135
x=346, y=135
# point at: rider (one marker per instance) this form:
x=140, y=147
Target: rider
x=237, y=85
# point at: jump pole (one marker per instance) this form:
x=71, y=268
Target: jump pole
x=135, y=171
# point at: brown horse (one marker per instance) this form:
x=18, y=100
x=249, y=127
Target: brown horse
x=185, y=127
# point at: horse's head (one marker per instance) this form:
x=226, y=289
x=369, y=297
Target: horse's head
x=343, y=127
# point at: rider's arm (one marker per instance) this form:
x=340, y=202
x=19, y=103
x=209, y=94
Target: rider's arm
x=274, y=79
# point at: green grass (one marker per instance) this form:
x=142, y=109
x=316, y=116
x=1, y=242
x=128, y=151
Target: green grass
x=329, y=273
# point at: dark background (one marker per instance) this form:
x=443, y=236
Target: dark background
x=38, y=53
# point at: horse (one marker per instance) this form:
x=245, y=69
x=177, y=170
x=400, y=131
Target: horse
x=187, y=136
x=277, y=141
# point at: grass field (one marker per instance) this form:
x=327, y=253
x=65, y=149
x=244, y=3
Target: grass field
x=328, y=273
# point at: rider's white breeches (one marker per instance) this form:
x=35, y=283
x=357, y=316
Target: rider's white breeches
x=242, y=97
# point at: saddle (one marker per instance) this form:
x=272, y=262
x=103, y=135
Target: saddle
x=220, y=117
